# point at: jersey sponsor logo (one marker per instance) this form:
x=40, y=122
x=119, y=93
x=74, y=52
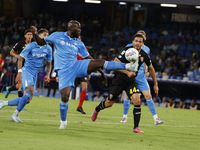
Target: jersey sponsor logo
x=39, y=55
x=68, y=44
x=110, y=96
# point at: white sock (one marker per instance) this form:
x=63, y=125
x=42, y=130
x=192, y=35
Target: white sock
x=155, y=117
x=125, y=116
x=6, y=103
x=16, y=113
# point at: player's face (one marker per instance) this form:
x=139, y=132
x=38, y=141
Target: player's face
x=44, y=34
x=138, y=43
x=75, y=30
x=28, y=36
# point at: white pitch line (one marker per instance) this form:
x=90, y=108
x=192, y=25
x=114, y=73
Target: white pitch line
x=110, y=123
x=50, y=113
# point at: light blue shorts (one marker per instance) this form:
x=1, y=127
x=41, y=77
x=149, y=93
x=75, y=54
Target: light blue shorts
x=28, y=79
x=67, y=76
x=142, y=83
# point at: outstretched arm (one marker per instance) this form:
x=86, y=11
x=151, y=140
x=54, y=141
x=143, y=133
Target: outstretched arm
x=153, y=76
x=39, y=40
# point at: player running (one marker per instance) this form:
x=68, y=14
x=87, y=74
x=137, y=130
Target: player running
x=17, y=49
x=67, y=46
x=124, y=81
x=143, y=87
x=34, y=56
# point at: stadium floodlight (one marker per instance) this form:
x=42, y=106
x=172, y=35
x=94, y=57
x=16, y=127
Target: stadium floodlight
x=197, y=7
x=60, y=0
x=93, y=1
x=122, y=3
x=168, y=5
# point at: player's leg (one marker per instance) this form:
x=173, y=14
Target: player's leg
x=151, y=106
x=113, y=94
x=10, y=89
x=132, y=92
x=82, y=95
x=136, y=112
x=65, y=92
x=19, y=85
x=108, y=65
x=22, y=102
x=126, y=106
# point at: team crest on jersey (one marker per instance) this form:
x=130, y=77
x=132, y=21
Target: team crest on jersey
x=110, y=96
x=62, y=42
x=45, y=50
x=141, y=59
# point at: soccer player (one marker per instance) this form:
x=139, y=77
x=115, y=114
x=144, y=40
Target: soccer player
x=143, y=87
x=17, y=49
x=123, y=81
x=34, y=56
x=83, y=82
x=67, y=46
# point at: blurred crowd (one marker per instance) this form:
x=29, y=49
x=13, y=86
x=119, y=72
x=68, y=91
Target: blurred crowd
x=175, y=49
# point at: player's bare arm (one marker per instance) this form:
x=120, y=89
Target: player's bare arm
x=12, y=53
x=153, y=76
x=19, y=75
x=128, y=73
x=48, y=70
x=40, y=41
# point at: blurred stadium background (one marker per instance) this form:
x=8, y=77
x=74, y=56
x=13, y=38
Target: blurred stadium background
x=173, y=35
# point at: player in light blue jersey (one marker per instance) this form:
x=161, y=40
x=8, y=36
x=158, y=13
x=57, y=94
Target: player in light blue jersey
x=144, y=88
x=67, y=46
x=34, y=56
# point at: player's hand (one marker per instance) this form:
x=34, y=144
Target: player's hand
x=18, y=78
x=131, y=74
x=156, y=89
x=34, y=29
x=47, y=79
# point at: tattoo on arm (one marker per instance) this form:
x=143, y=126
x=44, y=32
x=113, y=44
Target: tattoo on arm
x=19, y=65
x=48, y=68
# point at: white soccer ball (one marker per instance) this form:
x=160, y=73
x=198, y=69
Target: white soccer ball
x=131, y=54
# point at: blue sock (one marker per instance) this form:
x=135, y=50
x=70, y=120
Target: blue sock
x=14, y=102
x=151, y=106
x=112, y=65
x=63, y=110
x=23, y=101
x=126, y=106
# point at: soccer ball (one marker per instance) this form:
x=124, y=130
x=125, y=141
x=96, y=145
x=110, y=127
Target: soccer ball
x=131, y=54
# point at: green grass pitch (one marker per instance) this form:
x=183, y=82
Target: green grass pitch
x=39, y=131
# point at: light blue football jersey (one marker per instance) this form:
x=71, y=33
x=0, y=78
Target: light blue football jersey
x=66, y=49
x=35, y=55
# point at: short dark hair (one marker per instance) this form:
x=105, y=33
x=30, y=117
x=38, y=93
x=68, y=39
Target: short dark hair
x=42, y=30
x=26, y=31
x=138, y=35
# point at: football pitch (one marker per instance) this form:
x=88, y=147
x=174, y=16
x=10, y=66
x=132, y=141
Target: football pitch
x=39, y=130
